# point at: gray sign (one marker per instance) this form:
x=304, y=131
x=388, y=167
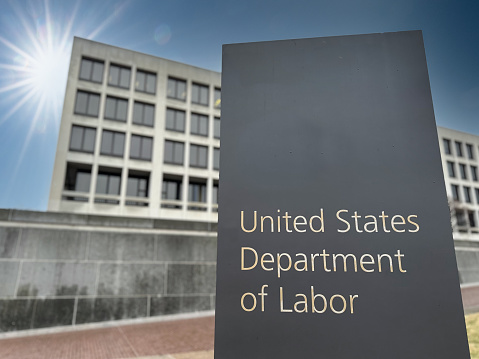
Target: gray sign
x=334, y=231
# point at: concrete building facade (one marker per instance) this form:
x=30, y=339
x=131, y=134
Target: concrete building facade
x=460, y=163
x=139, y=137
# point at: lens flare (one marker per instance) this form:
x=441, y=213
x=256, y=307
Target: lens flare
x=162, y=34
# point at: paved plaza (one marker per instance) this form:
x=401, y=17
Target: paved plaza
x=175, y=339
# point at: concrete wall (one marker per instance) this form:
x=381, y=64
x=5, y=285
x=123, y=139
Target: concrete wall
x=67, y=269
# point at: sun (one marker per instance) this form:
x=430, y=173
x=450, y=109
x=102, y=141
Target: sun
x=38, y=63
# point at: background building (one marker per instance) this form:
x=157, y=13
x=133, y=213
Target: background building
x=139, y=136
x=460, y=162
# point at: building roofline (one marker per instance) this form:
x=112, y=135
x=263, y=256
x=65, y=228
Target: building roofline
x=77, y=38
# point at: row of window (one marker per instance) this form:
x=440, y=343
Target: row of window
x=78, y=179
x=120, y=75
x=451, y=169
x=459, y=149
x=116, y=109
x=466, y=193
x=141, y=147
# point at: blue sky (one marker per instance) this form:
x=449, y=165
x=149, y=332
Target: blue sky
x=36, y=38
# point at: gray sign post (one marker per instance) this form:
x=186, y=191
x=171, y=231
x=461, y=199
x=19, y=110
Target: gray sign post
x=334, y=232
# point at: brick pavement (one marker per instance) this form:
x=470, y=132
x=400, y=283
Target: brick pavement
x=176, y=339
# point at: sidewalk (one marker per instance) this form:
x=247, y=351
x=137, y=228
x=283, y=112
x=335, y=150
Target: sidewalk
x=176, y=339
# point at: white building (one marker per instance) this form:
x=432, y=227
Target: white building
x=460, y=162
x=139, y=136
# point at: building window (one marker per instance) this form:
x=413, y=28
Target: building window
x=175, y=120
x=176, y=89
x=215, y=194
x=82, y=139
x=119, y=76
x=199, y=124
x=217, y=98
x=145, y=82
x=447, y=146
x=462, y=169
x=87, y=104
x=198, y=156
x=112, y=143
x=141, y=147
x=143, y=114
x=199, y=94
x=171, y=191
x=216, y=128
x=474, y=173
x=458, y=148
x=216, y=158
x=116, y=109
x=470, y=151
x=137, y=185
x=78, y=177
x=451, y=169
x=467, y=194
x=91, y=70
x=472, y=219
x=108, y=182
x=197, y=191
x=174, y=152
x=455, y=192
x=477, y=195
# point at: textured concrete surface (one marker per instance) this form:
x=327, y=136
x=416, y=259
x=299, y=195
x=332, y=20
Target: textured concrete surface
x=101, y=268
x=177, y=339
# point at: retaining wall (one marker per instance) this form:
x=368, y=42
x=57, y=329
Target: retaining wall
x=61, y=269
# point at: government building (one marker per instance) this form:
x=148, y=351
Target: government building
x=139, y=137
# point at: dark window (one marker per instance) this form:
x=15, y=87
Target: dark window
x=78, y=178
x=216, y=129
x=199, y=124
x=171, y=191
x=87, y=103
x=141, y=147
x=462, y=169
x=470, y=151
x=176, y=89
x=215, y=193
x=455, y=192
x=82, y=139
x=145, y=82
x=474, y=173
x=447, y=146
x=198, y=156
x=472, y=219
x=112, y=143
x=467, y=194
x=197, y=191
x=199, y=94
x=458, y=148
x=137, y=185
x=216, y=158
x=119, y=76
x=91, y=70
x=174, y=152
x=108, y=182
x=217, y=98
x=477, y=194
x=143, y=114
x=451, y=169
x=116, y=109
x=175, y=120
